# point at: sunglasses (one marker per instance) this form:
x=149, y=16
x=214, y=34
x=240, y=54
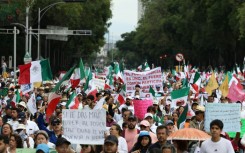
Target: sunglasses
x=55, y=124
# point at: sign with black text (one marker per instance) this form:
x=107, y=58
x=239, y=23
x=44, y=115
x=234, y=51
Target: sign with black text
x=84, y=126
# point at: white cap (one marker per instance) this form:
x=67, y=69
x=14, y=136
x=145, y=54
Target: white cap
x=21, y=126
x=148, y=114
x=129, y=97
x=22, y=103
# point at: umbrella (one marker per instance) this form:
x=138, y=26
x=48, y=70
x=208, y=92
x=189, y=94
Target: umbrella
x=189, y=134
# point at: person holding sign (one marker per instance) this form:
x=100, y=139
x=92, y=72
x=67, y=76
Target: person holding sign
x=216, y=144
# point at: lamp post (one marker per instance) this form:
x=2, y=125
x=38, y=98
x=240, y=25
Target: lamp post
x=44, y=10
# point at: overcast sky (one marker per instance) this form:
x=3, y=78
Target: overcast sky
x=124, y=18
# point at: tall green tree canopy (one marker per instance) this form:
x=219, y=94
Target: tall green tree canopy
x=206, y=32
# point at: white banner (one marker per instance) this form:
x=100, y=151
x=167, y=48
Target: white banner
x=229, y=114
x=144, y=79
x=98, y=83
x=25, y=88
x=84, y=126
x=31, y=105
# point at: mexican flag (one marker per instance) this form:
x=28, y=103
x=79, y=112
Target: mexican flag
x=73, y=102
x=182, y=118
x=180, y=95
x=75, y=78
x=36, y=71
x=195, y=82
x=54, y=97
x=53, y=100
x=152, y=91
x=16, y=99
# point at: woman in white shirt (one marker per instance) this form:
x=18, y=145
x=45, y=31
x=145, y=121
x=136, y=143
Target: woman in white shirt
x=122, y=144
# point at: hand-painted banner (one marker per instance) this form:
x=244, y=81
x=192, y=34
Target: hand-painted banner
x=84, y=126
x=140, y=107
x=144, y=79
x=229, y=114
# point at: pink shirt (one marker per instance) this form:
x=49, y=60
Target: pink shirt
x=129, y=137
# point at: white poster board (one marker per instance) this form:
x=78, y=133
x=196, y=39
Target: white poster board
x=98, y=83
x=229, y=114
x=84, y=126
x=144, y=79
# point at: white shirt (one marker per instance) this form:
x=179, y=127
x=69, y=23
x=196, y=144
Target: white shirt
x=14, y=124
x=122, y=145
x=222, y=146
x=31, y=127
x=31, y=143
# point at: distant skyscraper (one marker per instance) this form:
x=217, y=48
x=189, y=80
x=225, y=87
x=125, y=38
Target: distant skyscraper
x=140, y=10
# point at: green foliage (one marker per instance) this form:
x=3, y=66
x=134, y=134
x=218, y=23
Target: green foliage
x=206, y=32
x=89, y=15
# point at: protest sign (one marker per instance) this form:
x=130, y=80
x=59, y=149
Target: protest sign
x=140, y=107
x=229, y=114
x=98, y=83
x=233, y=134
x=28, y=150
x=31, y=104
x=144, y=79
x=84, y=126
x=143, y=95
x=25, y=88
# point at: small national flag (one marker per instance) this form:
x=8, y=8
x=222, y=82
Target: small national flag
x=182, y=118
x=179, y=95
x=146, y=67
x=82, y=70
x=36, y=71
x=151, y=90
x=120, y=99
x=88, y=79
x=73, y=102
x=212, y=84
x=75, y=78
x=16, y=99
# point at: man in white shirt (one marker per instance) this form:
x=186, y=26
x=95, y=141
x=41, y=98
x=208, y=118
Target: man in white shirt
x=128, y=104
x=216, y=144
x=30, y=126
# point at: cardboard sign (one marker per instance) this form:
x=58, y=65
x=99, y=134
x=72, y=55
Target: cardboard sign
x=98, y=83
x=140, y=107
x=229, y=114
x=144, y=79
x=84, y=126
x=233, y=134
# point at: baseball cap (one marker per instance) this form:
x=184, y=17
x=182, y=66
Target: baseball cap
x=39, y=98
x=168, y=122
x=8, y=106
x=145, y=123
x=55, y=121
x=21, y=115
x=111, y=139
x=148, y=115
x=129, y=97
x=61, y=141
x=155, y=102
x=22, y=103
x=43, y=147
x=144, y=133
x=132, y=117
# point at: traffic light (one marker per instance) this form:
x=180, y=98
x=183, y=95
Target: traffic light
x=68, y=1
